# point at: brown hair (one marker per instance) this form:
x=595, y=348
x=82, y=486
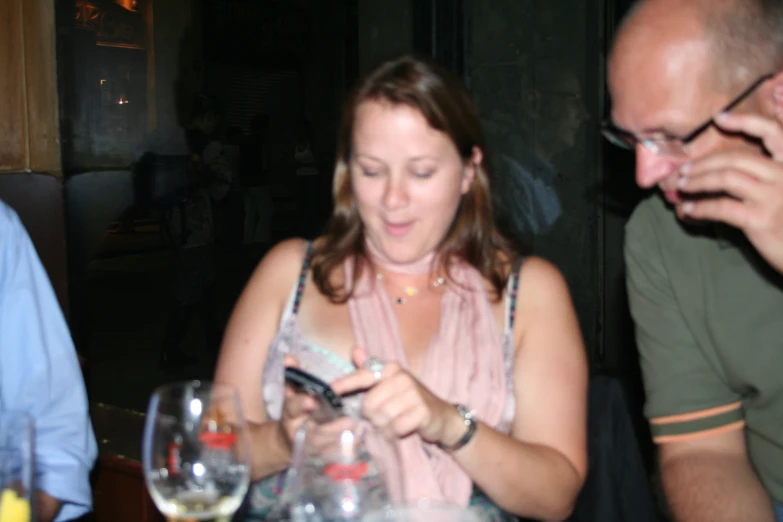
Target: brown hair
x=446, y=105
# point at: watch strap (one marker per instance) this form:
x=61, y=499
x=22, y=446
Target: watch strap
x=468, y=416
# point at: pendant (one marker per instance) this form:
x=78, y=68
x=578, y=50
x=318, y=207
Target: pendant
x=411, y=291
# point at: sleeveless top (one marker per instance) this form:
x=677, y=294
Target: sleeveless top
x=262, y=500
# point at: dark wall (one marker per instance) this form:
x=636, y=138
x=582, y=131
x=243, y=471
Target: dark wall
x=385, y=30
x=620, y=195
x=533, y=68
x=439, y=30
x=38, y=199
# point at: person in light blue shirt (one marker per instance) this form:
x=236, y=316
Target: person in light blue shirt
x=40, y=374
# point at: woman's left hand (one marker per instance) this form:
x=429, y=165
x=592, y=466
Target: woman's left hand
x=398, y=404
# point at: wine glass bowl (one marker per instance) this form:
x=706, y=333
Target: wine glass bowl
x=196, y=451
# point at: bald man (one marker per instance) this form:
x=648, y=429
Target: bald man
x=697, y=92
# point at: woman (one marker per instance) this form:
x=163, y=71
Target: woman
x=413, y=272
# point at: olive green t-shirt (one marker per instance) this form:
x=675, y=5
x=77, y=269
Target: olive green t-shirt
x=709, y=327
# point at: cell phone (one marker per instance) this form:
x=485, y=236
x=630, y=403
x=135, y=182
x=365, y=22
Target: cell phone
x=302, y=381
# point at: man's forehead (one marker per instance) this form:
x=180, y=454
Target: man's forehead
x=658, y=31
x=655, y=80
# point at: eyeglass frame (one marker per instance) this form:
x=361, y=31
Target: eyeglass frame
x=618, y=136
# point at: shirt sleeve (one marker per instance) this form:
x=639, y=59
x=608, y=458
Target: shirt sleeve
x=685, y=397
x=40, y=373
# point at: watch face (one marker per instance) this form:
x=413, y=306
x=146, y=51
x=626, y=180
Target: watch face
x=465, y=412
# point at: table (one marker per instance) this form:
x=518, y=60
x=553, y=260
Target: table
x=119, y=491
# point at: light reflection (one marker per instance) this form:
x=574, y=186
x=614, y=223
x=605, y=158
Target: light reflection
x=196, y=407
x=198, y=469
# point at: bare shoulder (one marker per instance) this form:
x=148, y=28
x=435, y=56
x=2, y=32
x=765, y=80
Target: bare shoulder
x=267, y=291
x=256, y=317
x=284, y=253
x=254, y=323
x=545, y=313
x=280, y=266
x=541, y=283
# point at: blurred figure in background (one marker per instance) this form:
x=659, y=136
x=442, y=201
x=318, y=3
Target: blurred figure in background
x=308, y=182
x=551, y=113
x=254, y=172
x=187, y=220
x=234, y=203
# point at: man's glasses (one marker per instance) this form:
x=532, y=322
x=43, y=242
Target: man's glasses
x=669, y=145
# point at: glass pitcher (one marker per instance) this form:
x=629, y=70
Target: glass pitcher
x=340, y=470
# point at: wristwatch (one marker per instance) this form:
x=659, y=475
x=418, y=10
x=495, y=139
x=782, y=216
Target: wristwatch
x=468, y=417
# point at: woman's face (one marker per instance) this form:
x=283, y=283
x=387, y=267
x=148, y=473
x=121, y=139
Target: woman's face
x=408, y=179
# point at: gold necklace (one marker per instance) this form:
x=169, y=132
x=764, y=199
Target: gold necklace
x=409, y=291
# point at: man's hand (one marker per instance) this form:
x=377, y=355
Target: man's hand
x=748, y=186
x=47, y=506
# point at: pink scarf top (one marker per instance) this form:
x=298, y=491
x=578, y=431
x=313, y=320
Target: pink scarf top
x=464, y=364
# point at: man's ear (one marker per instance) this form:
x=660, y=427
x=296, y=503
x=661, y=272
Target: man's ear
x=531, y=103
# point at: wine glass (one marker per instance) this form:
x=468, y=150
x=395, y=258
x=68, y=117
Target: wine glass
x=16, y=466
x=340, y=470
x=196, y=451
x=423, y=511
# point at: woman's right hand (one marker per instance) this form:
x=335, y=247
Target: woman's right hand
x=297, y=406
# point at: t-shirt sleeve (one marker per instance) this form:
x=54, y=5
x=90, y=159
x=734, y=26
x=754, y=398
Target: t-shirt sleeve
x=685, y=397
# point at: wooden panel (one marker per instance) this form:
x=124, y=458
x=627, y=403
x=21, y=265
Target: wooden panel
x=41, y=72
x=13, y=131
x=29, y=127
x=119, y=491
x=120, y=494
